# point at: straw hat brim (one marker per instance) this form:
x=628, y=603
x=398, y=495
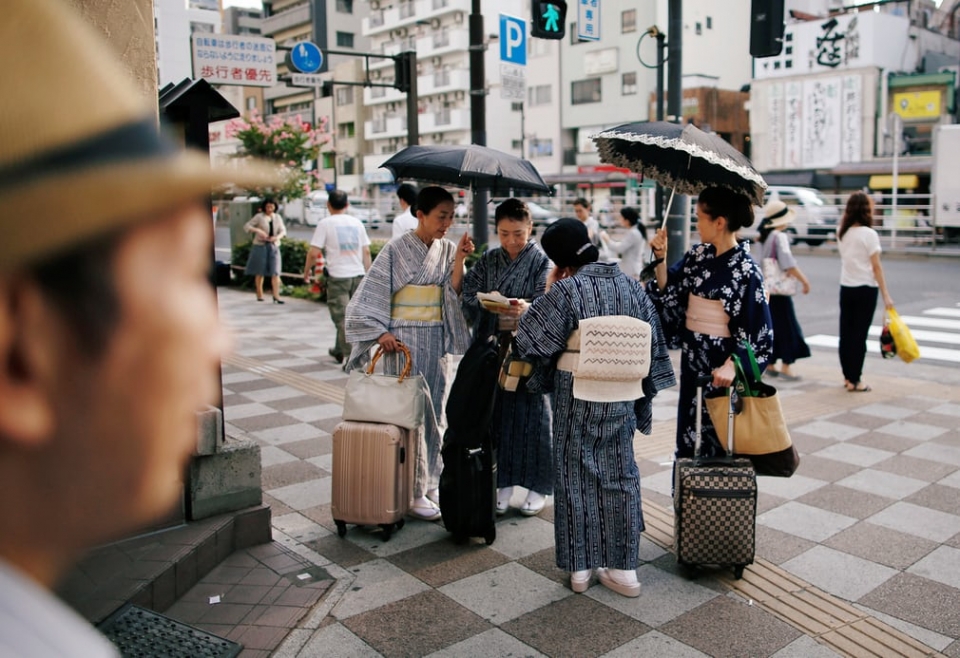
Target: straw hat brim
x=62, y=210
x=782, y=220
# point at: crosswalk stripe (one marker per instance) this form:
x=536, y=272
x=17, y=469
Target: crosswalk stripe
x=936, y=323
x=926, y=353
x=944, y=311
x=922, y=335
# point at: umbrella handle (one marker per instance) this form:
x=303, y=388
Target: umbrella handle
x=666, y=212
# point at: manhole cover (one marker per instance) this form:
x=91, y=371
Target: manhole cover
x=141, y=633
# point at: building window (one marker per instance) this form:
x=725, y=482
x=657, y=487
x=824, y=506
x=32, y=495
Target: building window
x=709, y=22
x=329, y=160
x=628, y=21
x=345, y=130
x=574, y=39
x=540, y=148
x=344, y=96
x=345, y=6
x=585, y=91
x=698, y=28
x=540, y=95
x=345, y=39
x=516, y=144
x=348, y=165
x=251, y=102
x=201, y=28
x=628, y=84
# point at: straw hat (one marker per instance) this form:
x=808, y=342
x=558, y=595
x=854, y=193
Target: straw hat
x=777, y=214
x=80, y=152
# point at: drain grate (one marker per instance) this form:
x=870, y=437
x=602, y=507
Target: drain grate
x=141, y=633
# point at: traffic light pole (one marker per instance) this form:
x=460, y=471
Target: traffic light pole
x=676, y=220
x=478, y=115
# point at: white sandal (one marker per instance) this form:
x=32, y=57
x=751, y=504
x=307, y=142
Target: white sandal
x=534, y=504
x=425, y=510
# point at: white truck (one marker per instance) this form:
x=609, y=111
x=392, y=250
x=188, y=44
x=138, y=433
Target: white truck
x=945, y=180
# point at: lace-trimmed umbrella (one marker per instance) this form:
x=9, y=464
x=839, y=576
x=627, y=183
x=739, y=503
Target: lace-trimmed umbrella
x=470, y=166
x=680, y=157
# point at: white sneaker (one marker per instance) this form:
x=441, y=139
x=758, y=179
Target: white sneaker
x=621, y=581
x=534, y=503
x=503, y=500
x=580, y=580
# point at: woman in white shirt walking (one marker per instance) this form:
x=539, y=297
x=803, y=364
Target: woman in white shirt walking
x=861, y=276
x=633, y=245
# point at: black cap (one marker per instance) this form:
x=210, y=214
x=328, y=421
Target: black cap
x=567, y=243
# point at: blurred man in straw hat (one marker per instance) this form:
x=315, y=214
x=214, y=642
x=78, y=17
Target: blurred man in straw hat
x=103, y=362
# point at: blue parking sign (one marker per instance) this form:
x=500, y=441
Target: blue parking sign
x=513, y=40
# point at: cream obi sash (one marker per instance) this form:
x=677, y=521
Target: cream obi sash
x=609, y=357
x=707, y=316
x=417, y=303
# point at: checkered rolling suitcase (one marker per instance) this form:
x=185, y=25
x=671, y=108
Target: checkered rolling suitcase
x=714, y=505
x=373, y=472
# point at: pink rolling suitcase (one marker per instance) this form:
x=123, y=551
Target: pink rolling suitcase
x=373, y=471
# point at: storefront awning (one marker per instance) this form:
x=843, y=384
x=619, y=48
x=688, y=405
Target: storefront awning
x=907, y=165
x=885, y=182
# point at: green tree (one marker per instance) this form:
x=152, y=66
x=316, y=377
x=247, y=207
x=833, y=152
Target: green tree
x=290, y=143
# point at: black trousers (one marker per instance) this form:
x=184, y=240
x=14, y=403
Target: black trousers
x=857, y=306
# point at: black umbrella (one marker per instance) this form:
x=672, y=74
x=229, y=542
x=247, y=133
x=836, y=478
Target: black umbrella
x=470, y=166
x=681, y=157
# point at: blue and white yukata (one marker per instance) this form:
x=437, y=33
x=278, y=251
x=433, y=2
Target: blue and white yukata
x=733, y=278
x=373, y=311
x=521, y=419
x=598, y=518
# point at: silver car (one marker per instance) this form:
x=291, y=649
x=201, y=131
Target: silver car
x=816, y=220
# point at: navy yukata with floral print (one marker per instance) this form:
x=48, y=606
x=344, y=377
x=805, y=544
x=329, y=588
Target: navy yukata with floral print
x=734, y=278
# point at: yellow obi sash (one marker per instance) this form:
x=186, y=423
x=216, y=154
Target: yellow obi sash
x=707, y=316
x=418, y=303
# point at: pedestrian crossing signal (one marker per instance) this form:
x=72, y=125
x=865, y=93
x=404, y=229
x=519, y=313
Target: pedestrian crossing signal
x=549, y=19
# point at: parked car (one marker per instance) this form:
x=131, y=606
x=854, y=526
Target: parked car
x=816, y=220
x=540, y=215
x=316, y=209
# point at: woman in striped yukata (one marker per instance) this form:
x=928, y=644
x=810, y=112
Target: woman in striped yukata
x=598, y=518
x=411, y=294
x=516, y=269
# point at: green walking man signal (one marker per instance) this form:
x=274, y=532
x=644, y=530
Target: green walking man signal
x=549, y=18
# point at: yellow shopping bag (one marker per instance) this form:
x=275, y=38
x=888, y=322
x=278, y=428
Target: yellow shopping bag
x=907, y=348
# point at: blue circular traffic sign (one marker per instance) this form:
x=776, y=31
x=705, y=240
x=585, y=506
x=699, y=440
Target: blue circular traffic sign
x=306, y=57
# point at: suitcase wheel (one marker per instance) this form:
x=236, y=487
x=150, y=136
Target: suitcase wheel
x=341, y=528
x=738, y=571
x=400, y=523
x=491, y=536
x=387, y=530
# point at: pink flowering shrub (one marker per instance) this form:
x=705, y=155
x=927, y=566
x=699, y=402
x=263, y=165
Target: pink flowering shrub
x=289, y=143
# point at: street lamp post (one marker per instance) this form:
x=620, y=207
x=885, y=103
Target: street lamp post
x=478, y=114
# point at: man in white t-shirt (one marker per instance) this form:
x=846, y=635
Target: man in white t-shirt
x=406, y=220
x=346, y=248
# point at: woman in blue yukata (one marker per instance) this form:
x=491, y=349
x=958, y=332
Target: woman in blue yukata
x=600, y=348
x=711, y=302
x=411, y=294
x=517, y=269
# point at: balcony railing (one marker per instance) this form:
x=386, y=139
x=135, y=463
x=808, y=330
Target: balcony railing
x=408, y=10
x=285, y=20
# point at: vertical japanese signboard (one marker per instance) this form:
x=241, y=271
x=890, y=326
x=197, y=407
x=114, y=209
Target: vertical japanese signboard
x=227, y=59
x=588, y=20
x=851, y=132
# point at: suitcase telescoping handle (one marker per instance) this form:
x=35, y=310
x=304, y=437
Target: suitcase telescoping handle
x=703, y=380
x=407, y=361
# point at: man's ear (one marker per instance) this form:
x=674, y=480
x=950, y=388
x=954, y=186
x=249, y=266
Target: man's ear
x=27, y=362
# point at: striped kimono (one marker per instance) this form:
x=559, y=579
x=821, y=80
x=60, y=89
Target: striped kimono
x=408, y=261
x=598, y=519
x=521, y=419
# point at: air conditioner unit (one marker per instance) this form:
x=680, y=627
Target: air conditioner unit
x=436, y=61
x=401, y=31
x=391, y=107
x=460, y=95
x=435, y=23
x=374, y=4
x=437, y=137
x=458, y=17
x=374, y=75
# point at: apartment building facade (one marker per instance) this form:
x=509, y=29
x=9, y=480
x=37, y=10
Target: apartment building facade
x=175, y=21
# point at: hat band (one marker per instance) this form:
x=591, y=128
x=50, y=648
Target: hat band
x=139, y=140
x=778, y=215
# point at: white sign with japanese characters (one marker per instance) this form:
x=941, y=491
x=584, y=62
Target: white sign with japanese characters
x=227, y=59
x=513, y=82
x=588, y=20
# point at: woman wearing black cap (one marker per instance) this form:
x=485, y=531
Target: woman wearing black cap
x=598, y=341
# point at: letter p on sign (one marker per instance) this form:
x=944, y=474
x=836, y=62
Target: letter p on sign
x=513, y=40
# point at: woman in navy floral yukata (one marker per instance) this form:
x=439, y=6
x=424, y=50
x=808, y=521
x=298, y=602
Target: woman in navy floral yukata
x=710, y=302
